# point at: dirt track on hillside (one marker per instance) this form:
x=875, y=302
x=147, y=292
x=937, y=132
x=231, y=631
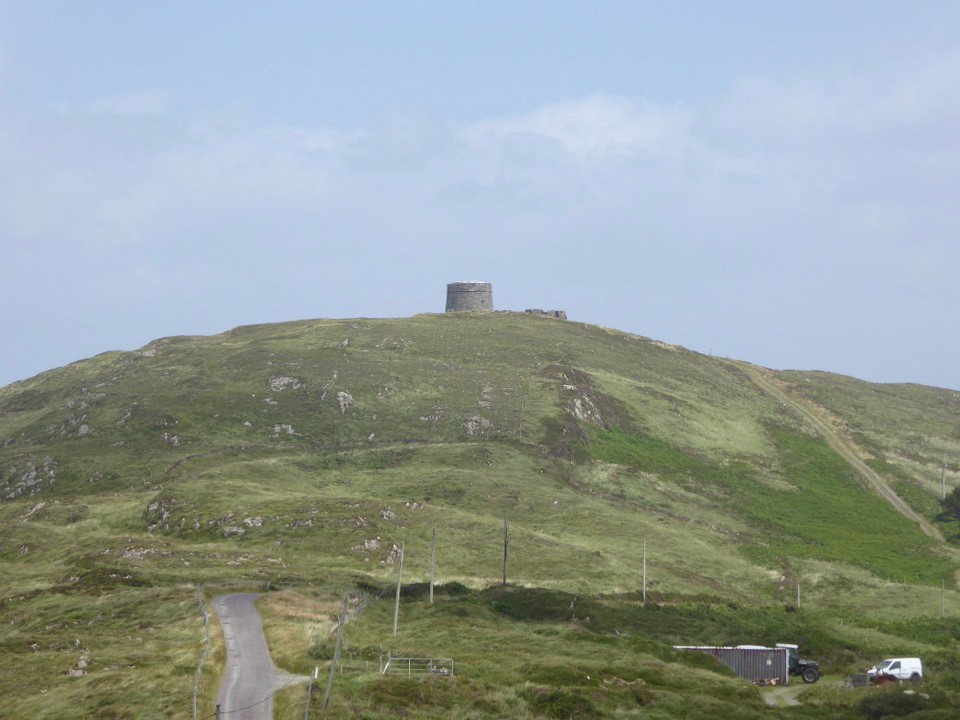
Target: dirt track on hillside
x=782, y=695
x=846, y=449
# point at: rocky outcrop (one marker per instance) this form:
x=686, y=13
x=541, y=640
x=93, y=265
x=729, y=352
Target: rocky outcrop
x=28, y=476
x=560, y=314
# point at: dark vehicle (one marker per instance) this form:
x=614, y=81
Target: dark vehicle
x=808, y=670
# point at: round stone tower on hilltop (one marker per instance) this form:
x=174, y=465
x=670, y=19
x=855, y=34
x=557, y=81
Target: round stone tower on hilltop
x=463, y=296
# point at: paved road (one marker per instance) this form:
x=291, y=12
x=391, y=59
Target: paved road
x=246, y=692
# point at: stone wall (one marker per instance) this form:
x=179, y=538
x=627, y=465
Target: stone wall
x=549, y=313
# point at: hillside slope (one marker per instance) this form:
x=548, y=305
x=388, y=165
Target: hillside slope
x=304, y=454
x=662, y=436
x=846, y=448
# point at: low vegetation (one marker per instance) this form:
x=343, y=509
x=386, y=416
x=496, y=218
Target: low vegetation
x=297, y=459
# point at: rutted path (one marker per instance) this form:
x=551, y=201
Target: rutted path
x=841, y=446
x=781, y=695
x=246, y=692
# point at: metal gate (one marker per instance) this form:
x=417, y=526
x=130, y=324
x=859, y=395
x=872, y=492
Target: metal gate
x=417, y=666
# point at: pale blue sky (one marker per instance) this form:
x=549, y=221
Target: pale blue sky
x=773, y=182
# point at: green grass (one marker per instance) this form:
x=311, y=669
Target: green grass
x=138, y=650
x=819, y=511
x=909, y=429
x=537, y=653
x=592, y=443
x=564, y=665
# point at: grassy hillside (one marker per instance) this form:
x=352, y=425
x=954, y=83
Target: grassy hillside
x=905, y=432
x=301, y=456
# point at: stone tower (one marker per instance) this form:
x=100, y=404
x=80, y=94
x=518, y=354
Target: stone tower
x=469, y=296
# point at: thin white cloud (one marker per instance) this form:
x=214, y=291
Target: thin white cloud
x=146, y=102
x=900, y=97
x=322, y=140
x=595, y=128
x=254, y=170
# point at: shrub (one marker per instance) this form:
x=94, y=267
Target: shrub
x=895, y=703
x=951, y=504
x=560, y=704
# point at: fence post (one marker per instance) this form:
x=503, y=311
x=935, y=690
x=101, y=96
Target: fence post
x=316, y=671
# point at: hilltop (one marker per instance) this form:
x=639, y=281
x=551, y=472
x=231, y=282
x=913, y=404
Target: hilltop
x=300, y=456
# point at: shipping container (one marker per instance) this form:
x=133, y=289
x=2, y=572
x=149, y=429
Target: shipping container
x=761, y=665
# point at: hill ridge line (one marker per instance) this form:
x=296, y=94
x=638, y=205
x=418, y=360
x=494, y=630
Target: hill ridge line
x=843, y=447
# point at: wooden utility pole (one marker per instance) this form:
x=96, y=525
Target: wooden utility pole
x=336, y=659
x=506, y=542
x=943, y=480
x=798, y=594
x=396, y=605
x=644, y=572
x=433, y=562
